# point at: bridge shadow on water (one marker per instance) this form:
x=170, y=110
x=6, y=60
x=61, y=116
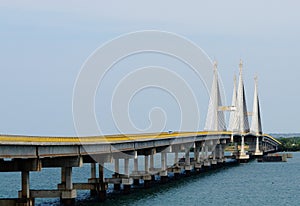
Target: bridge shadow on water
x=138, y=193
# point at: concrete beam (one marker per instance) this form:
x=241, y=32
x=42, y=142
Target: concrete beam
x=17, y=151
x=84, y=186
x=17, y=165
x=58, y=151
x=45, y=193
x=62, y=162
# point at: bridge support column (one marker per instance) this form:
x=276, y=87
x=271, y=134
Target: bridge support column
x=63, y=178
x=257, y=150
x=187, y=166
x=176, y=169
x=196, y=153
x=146, y=164
x=101, y=184
x=207, y=162
x=147, y=182
x=68, y=193
x=135, y=170
x=215, y=152
x=25, y=184
x=264, y=146
x=221, y=153
x=242, y=156
x=176, y=160
x=117, y=187
x=198, y=164
x=127, y=184
x=163, y=173
x=243, y=145
x=24, y=196
x=93, y=178
x=152, y=167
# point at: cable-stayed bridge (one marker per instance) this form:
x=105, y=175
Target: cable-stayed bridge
x=139, y=158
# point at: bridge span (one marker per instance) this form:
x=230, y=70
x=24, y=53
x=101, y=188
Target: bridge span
x=201, y=151
x=30, y=154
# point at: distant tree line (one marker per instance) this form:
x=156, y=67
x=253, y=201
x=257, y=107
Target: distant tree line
x=290, y=143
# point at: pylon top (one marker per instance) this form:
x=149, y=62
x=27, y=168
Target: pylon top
x=256, y=79
x=215, y=65
x=241, y=66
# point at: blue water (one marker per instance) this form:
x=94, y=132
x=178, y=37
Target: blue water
x=247, y=184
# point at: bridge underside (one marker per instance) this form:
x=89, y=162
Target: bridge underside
x=200, y=150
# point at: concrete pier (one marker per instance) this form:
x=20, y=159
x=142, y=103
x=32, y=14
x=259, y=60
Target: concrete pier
x=164, y=172
x=93, y=192
x=117, y=186
x=102, y=185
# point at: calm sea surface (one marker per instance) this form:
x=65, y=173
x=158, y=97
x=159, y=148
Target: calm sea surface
x=247, y=184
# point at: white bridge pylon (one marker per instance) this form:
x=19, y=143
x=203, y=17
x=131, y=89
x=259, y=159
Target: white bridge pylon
x=242, y=112
x=238, y=121
x=215, y=120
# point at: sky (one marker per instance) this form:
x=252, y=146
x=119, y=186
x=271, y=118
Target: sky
x=43, y=46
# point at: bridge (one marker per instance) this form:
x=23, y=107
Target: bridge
x=201, y=151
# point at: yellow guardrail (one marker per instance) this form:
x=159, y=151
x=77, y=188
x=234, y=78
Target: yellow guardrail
x=112, y=138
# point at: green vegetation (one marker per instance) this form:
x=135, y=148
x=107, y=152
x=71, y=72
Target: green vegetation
x=290, y=144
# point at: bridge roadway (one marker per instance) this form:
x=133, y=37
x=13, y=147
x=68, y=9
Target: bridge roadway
x=15, y=146
x=32, y=153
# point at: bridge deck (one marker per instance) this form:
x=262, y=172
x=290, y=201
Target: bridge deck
x=45, y=140
x=16, y=139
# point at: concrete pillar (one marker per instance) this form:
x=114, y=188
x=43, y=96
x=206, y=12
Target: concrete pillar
x=117, y=187
x=126, y=167
x=135, y=170
x=93, y=170
x=147, y=182
x=126, y=186
x=206, y=152
x=221, y=152
x=136, y=165
x=163, y=161
x=152, y=161
x=164, y=172
x=202, y=152
x=207, y=162
x=176, y=161
x=257, y=149
x=214, y=153
x=242, y=145
x=146, y=163
x=102, y=186
x=242, y=156
x=187, y=158
x=196, y=154
x=152, y=167
x=68, y=178
x=63, y=177
x=187, y=163
x=117, y=167
x=25, y=185
x=217, y=151
x=93, y=178
x=68, y=197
